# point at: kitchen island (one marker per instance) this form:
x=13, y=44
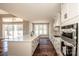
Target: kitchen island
x=23, y=48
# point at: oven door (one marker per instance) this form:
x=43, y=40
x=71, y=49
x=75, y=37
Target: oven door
x=68, y=35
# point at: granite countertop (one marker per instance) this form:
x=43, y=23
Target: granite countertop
x=66, y=42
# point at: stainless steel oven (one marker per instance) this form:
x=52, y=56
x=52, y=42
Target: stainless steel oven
x=70, y=35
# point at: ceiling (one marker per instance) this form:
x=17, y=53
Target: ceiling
x=32, y=11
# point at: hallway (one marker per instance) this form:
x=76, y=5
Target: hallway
x=45, y=48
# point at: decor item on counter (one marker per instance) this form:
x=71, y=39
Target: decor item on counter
x=57, y=31
x=32, y=33
x=65, y=15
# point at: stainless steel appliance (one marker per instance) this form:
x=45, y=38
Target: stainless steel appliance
x=70, y=35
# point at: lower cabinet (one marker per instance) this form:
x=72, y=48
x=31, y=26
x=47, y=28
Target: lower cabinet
x=25, y=48
x=34, y=44
x=56, y=41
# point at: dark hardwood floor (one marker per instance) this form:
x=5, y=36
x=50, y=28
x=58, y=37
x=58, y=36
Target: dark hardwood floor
x=45, y=48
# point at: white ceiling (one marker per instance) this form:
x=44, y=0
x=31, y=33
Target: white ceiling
x=32, y=11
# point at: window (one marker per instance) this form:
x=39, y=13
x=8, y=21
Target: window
x=40, y=29
x=12, y=31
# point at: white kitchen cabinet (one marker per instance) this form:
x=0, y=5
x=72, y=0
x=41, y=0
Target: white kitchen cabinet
x=69, y=13
x=34, y=44
x=23, y=48
x=56, y=41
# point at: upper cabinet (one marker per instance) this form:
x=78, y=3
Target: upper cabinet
x=57, y=20
x=57, y=25
x=69, y=11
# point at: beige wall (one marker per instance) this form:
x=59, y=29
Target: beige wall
x=51, y=31
x=25, y=27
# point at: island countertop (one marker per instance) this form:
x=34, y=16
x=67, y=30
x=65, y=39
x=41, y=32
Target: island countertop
x=25, y=38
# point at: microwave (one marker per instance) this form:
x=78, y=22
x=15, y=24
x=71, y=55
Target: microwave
x=70, y=31
x=70, y=35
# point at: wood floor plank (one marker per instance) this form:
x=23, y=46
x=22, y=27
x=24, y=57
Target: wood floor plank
x=45, y=48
